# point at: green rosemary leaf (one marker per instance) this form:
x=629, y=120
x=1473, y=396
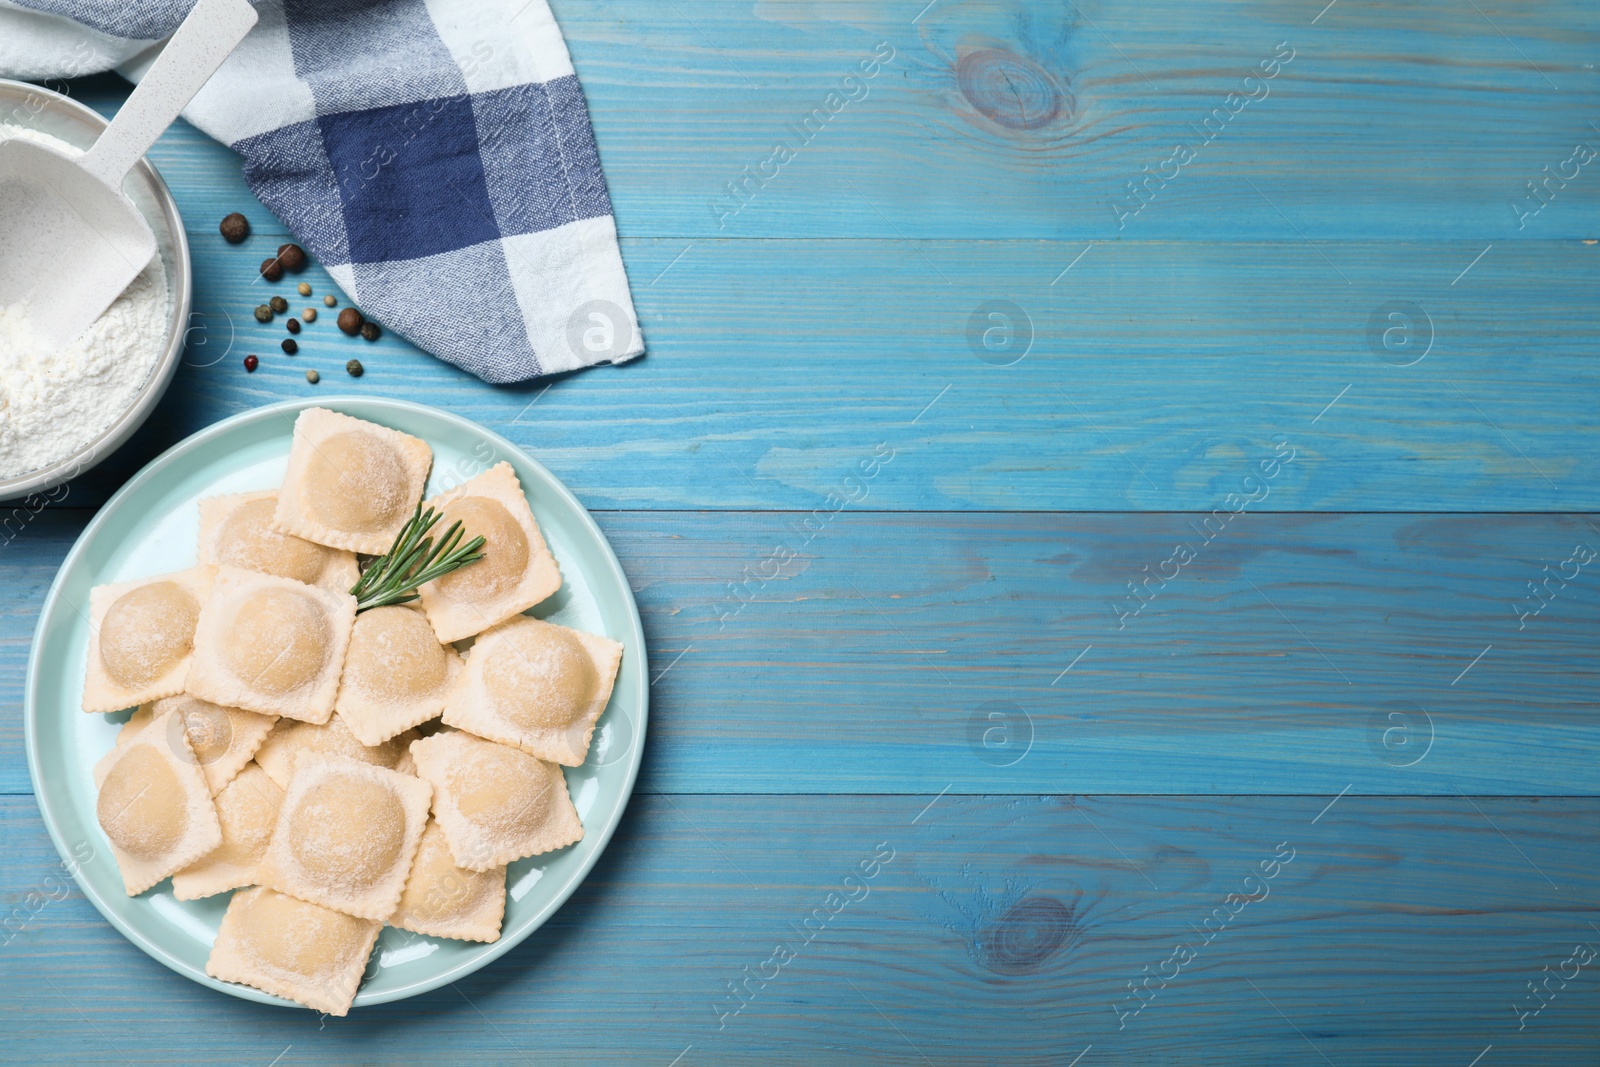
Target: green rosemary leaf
x=414, y=560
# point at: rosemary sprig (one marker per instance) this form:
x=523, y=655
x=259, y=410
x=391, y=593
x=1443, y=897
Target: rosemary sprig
x=413, y=560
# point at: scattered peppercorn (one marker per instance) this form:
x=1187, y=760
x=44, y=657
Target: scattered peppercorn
x=279, y=304
x=290, y=345
x=293, y=258
x=304, y=288
x=313, y=377
x=331, y=300
x=354, y=368
x=271, y=270
x=235, y=228
x=264, y=313
x=350, y=321
x=250, y=364
x=370, y=331
x=309, y=314
x=294, y=325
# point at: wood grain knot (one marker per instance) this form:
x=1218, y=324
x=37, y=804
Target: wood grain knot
x=1009, y=90
x=1027, y=935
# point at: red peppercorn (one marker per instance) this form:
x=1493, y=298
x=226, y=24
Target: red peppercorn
x=250, y=364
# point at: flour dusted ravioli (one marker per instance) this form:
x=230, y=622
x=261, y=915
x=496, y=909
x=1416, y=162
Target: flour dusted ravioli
x=346, y=836
x=141, y=638
x=223, y=739
x=154, y=806
x=351, y=483
x=247, y=808
x=395, y=674
x=270, y=644
x=537, y=686
x=289, y=948
x=443, y=900
x=237, y=531
x=517, y=570
x=293, y=743
x=494, y=803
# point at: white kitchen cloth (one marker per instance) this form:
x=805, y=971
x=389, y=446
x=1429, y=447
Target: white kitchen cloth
x=435, y=155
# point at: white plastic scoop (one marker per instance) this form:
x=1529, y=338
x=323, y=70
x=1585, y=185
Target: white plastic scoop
x=70, y=241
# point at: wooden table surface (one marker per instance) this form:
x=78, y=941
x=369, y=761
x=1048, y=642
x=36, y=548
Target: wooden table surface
x=1125, y=477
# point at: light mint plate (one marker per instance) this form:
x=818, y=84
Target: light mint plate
x=151, y=527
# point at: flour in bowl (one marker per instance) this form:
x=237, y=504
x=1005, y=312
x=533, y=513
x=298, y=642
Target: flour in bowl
x=54, y=403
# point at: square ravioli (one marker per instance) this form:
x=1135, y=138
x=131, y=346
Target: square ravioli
x=537, y=686
x=517, y=570
x=293, y=743
x=292, y=949
x=223, y=739
x=443, y=900
x=395, y=676
x=154, y=806
x=247, y=808
x=237, y=530
x=270, y=644
x=346, y=836
x=495, y=804
x=141, y=638
x=351, y=483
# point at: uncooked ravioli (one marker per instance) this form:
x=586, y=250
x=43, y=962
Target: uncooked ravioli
x=351, y=483
x=141, y=638
x=346, y=835
x=271, y=645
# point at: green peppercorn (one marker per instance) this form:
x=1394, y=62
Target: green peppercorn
x=264, y=313
x=279, y=304
x=370, y=331
x=354, y=368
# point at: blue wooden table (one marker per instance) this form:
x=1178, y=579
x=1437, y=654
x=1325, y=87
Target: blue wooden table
x=1113, y=506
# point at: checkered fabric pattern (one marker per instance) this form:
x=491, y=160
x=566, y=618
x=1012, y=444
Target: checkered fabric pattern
x=435, y=155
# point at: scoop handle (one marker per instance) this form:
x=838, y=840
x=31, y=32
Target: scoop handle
x=206, y=38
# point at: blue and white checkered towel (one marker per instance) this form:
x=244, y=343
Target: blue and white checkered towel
x=435, y=155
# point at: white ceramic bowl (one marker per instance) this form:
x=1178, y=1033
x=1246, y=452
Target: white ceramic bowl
x=27, y=105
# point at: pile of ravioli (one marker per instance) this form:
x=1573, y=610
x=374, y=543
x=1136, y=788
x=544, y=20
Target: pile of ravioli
x=344, y=771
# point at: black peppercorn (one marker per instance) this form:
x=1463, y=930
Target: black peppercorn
x=293, y=258
x=279, y=304
x=271, y=270
x=354, y=368
x=235, y=228
x=294, y=325
x=264, y=313
x=290, y=345
x=350, y=321
x=370, y=331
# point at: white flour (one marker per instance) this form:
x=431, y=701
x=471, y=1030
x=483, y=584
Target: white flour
x=53, y=404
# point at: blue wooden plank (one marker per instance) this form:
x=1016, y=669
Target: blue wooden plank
x=873, y=652
x=994, y=119
x=1158, y=374
x=998, y=930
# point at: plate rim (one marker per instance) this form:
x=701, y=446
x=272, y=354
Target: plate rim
x=638, y=664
